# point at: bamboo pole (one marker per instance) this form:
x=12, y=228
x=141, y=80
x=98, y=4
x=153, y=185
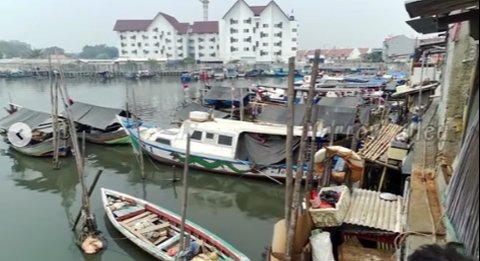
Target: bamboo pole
x=90, y=191
x=296, y=199
x=185, y=192
x=313, y=147
x=139, y=137
x=54, y=104
x=242, y=106
x=289, y=145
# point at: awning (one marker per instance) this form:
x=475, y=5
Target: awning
x=408, y=91
x=95, y=116
x=34, y=119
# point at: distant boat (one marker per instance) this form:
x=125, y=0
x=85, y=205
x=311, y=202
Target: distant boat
x=186, y=77
x=157, y=230
x=40, y=123
x=254, y=73
x=99, y=123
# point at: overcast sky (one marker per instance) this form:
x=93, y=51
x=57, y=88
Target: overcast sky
x=72, y=24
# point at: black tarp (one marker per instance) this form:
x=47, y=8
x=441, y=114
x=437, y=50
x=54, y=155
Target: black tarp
x=263, y=150
x=338, y=112
x=30, y=117
x=220, y=93
x=95, y=116
x=184, y=112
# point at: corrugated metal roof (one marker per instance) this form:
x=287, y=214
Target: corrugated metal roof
x=367, y=209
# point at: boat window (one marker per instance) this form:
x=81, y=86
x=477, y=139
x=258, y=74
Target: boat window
x=210, y=136
x=196, y=135
x=225, y=140
x=163, y=141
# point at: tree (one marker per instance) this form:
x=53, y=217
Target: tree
x=52, y=51
x=99, y=52
x=35, y=54
x=12, y=49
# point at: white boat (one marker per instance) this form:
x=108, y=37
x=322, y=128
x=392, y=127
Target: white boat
x=220, y=145
x=157, y=230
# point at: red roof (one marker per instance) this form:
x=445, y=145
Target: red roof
x=363, y=50
x=142, y=25
x=205, y=27
x=131, y=25
x=339, y=53
x=257, y=10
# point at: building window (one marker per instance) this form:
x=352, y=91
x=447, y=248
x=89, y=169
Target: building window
x=169, y=48
x=134, y=51
x=294, y=39
x=123, y=44
x=294, y=30
x=200, y=40
x=122, y=37
x=156, y=51
x=201, y=55
x=263, y=35
x=246, y=30
x=233, y=49
x=133, y=37
x=213, y=39
x=246, y=49
x=139, y=44
x=168, y=40
x=279, y=53
x=233, y=31
x=200, y=47
x=278, y=35
x=157, y=44
x=294, y=49
x=180, y=40
x=213, y=55
x=265, y=44
x=124, y=52
x=212, y=47
x=209, y=136
x=145, y=37
x=263, y=53
x=225, y=140
x=233, y=40
x=133, y=45
x=169, y=33
x=265, y=26
x=278, y=44
x=145, y=51
x=233, y=21
x=248, y=21
x=248, y=40
x=257, y=25
x=279, y=25
x=155, y=37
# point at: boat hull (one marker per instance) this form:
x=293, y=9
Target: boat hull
x=43, y=149
x=118, y=137
x=173, y=219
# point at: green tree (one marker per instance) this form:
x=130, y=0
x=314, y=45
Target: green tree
x=35, y=54
x=11, y=49
x=99, y=52
x=375, y=57
x=52, y=51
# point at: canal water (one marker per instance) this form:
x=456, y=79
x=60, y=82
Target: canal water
x=39, y=203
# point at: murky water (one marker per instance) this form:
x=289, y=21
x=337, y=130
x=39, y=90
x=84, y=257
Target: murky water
x=38, y=203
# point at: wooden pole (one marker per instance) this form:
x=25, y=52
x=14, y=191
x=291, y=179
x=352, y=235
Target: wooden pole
x=242, y=106
x=313, y=148
x=185, y=191
x=289, y=145
x=139, y=137
x=301, y=161
x=90, y=192
x=54, y=104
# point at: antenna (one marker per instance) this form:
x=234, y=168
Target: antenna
x=205, y=9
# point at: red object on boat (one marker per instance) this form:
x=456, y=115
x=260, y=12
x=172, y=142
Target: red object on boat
x=325, y=205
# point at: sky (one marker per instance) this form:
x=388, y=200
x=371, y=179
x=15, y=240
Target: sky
x=72, y=24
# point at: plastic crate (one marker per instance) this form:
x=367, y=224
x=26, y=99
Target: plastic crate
x=332, y=217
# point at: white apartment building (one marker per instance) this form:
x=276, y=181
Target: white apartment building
x=164, y=38
x=263, y=34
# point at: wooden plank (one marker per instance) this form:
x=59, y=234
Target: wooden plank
x=133, y=231
x=149, y=217
x=160, y=240
x=169, y=242
x=154, y=228
x=144, y=214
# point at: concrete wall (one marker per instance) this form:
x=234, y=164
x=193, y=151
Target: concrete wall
x=397, y=46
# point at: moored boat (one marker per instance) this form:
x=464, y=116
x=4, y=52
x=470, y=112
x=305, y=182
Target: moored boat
x=99, y=123
x=40, y=123
x=157, y=230
x=220, y=146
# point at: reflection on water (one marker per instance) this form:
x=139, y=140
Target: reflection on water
x=234, y=208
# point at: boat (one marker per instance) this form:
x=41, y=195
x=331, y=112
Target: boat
x=40, y=123
x=254, y=73
x=231, y=72
x=221, y=98
x=99, y=123
x=186, y=77
x=221, y=146
x=157, y=230
x=219, y=74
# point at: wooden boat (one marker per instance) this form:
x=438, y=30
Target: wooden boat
x=99, y=123
x=219, y=145
x=41, y=143
x=157, y=230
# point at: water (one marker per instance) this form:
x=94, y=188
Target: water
x=39, y=203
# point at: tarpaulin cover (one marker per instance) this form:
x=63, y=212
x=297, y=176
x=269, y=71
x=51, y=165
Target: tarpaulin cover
x=219, y=93
x=184, y=113
x=94, y=116
x=263, y=150
x=333, y=111
x=30, y=117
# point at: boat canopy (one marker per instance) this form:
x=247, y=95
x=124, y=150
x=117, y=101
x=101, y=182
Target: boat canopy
x=333, y=111
x=263, y=150
x=184, y=112
x=34, y=119
x=94, y=116
x=220, y=93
